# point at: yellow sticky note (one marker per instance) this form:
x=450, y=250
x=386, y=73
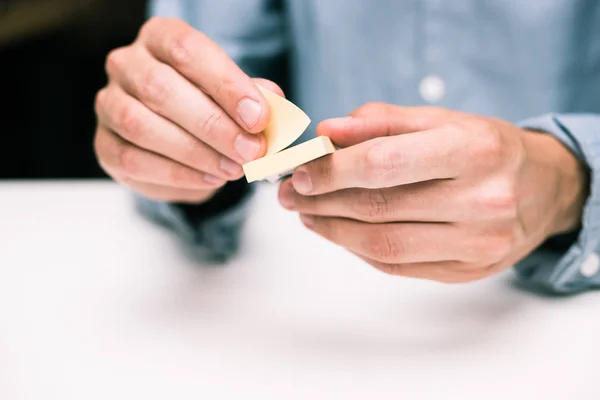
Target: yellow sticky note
x=283, y=163
x=287, y=122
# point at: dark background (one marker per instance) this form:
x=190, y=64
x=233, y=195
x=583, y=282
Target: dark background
x=48, y=81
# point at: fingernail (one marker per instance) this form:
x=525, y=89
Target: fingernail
x=308, y=220
x=213, y=180
x=249, y=112
x=247, y=146
x=339, y=122
x=230, y=167
x=302, y=182
x=287, y=196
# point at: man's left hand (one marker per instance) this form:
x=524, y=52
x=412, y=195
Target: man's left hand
x=436, y=194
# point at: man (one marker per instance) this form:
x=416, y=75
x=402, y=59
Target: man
x=417, y=189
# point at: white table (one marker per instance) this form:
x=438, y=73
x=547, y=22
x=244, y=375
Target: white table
x=98, y=303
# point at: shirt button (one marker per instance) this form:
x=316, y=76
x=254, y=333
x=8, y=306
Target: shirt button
x=591, y=266
x=432, y=88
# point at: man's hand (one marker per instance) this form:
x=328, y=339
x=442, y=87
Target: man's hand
x=178, y=117
x=437, y=194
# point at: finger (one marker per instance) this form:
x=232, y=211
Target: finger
x=160, y=88
x=135, y=123
x=379, y=119
x=121, y=158
x=205, y=64
x=434, y=201
x=443, y=271
x=167, y=193
x=385, y=162
x=394, y=243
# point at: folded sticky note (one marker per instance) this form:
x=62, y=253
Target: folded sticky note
x=288, y=122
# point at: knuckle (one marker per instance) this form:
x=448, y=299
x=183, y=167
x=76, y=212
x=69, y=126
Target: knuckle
x=129, y=160
x=499, y=202
x=372, y=205
x=223, y=86
x=100, y=100
x=488, y=143
x=151, y=25
x=210, y=124
x=181, y=47
x=115, y=60
x=383, y=248
x=153, y=88
x=380, y=163
x=177, y=175
x=131, y=124
x=196, y=153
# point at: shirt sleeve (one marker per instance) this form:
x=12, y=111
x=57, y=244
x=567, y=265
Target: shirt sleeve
x=210, y=231
x=253, y=34
x=570, y=263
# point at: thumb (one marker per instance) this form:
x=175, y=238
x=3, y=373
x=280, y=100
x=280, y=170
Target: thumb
x=378, y=120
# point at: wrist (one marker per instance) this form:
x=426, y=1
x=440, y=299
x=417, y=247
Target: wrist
x=569, y=176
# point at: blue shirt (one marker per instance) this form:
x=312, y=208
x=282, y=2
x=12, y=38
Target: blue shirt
x=535, y=63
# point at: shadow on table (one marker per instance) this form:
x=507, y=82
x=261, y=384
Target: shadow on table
x=472, y=319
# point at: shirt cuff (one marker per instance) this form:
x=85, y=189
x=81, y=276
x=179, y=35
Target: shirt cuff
x=570, y=263
x=210, y=231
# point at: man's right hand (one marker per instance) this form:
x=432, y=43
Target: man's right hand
x=178, y=117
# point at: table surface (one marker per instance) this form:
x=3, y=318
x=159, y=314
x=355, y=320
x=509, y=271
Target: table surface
x=98, y=303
